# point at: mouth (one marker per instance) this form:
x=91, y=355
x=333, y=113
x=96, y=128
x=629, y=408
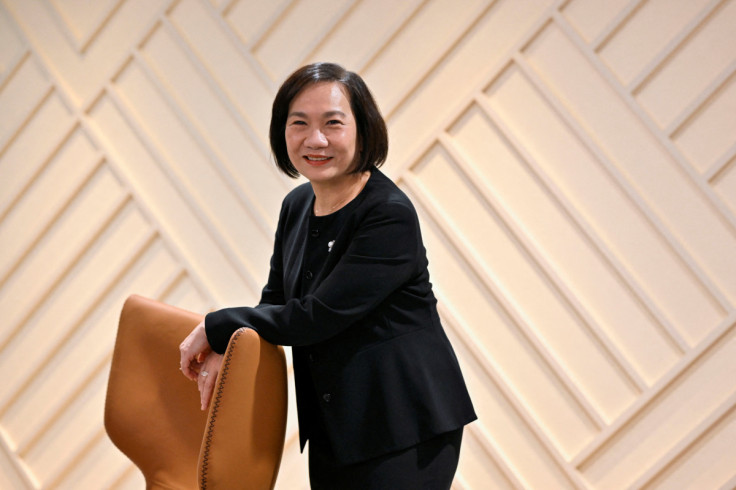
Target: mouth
x=316, y=160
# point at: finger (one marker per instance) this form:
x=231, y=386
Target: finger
x=195, y=368
x=193, y=351
x=206, y=392
x=184, y=365
x=189, y=367
x=185, y=359
x=201, y=379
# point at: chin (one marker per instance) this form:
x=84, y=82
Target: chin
x=320, y=173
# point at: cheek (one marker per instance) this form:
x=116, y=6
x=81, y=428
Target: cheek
x=292, y=143
x=352, y=143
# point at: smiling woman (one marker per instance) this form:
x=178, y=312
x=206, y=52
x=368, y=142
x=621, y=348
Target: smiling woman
x=321, y=139
x=380, y=395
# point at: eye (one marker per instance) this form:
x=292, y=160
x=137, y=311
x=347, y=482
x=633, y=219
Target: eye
x=333, y=122
x=297, y=123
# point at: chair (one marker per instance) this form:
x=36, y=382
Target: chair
x=152, y=412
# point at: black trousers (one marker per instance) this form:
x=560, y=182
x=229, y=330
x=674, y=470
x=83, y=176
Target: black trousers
x=429, y=465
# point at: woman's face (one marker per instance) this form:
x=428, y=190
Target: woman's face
x=321, y=133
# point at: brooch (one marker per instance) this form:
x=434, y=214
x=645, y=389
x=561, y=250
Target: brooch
x=329, y=246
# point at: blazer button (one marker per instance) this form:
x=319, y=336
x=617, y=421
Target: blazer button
x=311, y=357
x=327, y=397
x=308, y=275
x=315, y=232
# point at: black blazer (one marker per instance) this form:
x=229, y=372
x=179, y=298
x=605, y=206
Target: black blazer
x=351, y=293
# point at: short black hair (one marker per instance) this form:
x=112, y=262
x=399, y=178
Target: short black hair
x=372, y=136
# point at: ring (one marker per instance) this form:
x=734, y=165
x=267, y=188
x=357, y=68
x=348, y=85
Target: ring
x=204, y=373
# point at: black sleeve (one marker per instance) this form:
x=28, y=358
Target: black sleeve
x=383, y=255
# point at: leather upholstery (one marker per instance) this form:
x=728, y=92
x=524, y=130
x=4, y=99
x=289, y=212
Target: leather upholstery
x=152, y=412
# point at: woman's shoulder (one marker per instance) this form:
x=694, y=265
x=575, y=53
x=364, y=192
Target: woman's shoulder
x=382, y=191
x=384, y=202
x=298, y=196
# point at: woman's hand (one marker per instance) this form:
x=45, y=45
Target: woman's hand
x=194, y=349
x=199, y=363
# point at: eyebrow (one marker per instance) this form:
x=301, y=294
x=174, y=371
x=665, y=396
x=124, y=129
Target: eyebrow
x=326, y=114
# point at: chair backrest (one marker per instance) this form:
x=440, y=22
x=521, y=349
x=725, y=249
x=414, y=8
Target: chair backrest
x=244, y=439
x=152, y=412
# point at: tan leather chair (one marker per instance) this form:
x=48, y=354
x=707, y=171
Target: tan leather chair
x=152, y=412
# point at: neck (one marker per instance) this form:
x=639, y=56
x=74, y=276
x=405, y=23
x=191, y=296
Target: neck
x=330, y=197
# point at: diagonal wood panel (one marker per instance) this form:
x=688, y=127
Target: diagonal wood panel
x=573, y=164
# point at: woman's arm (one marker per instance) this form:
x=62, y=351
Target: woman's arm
x=382, y=255
x=196, y=354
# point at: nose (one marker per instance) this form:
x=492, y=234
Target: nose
x=316, y=139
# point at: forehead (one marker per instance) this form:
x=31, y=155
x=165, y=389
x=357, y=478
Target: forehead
x=321, y=97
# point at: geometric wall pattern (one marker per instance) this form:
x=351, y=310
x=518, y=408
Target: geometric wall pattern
x=573, y=164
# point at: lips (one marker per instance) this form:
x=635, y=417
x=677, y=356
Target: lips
x=316, y=160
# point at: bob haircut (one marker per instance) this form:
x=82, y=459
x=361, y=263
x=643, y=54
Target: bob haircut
x=372, y=136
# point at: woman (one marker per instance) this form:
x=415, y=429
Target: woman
x=380, y=395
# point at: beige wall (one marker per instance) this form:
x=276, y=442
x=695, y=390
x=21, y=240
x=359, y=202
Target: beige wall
x=573, y=163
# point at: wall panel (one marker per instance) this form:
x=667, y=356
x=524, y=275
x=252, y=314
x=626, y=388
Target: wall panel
x=705, y=138
x=625, y=142
x=677, y=81
x=572, y=162
x=33, y=144
x=579, y=269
